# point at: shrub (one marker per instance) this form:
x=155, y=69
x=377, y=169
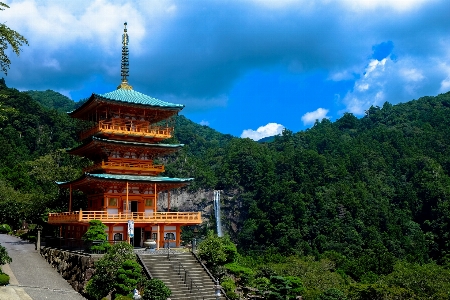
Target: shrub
x=5, y=228
x=217, y=251
x=4, y=257
x=95, y=237
x=243, y=273
x=127, y=278
x=4, y=279
x=155, y=289
x=332, y=294
x=106, y=268
x=229, y=286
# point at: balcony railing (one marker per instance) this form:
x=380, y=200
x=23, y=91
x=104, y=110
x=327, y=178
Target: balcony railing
x=158, y=132
x=127, y=167
x=138, y=217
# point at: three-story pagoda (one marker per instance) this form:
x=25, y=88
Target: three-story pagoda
x=124, y=182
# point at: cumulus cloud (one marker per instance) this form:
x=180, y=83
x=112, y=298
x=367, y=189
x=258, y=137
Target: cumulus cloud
x=197, y=50
x=312, y=116
x=395, y=81
x=204, y=123
x=270, y=129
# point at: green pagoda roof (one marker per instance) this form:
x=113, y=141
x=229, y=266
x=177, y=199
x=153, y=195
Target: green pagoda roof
x=139, y=178
x=136, y=178
x=133, y=97
x=137, y=143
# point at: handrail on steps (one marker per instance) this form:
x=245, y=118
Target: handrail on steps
x=144, y=267
x=186, y=277
x=216, y=281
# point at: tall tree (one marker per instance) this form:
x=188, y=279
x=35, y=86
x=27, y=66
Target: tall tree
x=9, y=37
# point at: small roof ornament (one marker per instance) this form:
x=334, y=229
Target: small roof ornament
x=125, y=66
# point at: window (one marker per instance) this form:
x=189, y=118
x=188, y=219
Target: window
x=148, y=202
x=112, y=202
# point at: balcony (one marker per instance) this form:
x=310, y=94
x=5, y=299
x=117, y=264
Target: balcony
x=129, y=129
x=138, y=217
x=126, y=167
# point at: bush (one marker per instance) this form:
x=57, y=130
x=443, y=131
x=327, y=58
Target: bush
x=229, y=286
x=217, y=251
x=4, y=279
x=106, y=270
x=95, y=237
x=243, y=273
x=127, y=278
x=332, y=294
x=4, y=257
x=5, y=228
x=155, y=289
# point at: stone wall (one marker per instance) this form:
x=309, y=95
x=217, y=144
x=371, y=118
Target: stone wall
x=77, y=269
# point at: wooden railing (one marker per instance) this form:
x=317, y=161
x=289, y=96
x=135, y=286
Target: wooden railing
x=138, y=217
x=130, y=130
x=127, y=166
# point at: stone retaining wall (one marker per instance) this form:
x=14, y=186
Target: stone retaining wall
x=76, y=268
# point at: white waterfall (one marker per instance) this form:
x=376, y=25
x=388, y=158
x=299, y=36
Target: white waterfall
x=217, y=212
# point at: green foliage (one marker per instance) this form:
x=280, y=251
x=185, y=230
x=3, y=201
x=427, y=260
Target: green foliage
x=4, y=257
x=332, y=294
x=9, y=37
x=229, y=287
x=52, y=100
x=155, y=289
x=282, y=288
x=105, y=277
x=5, y=228
x=121, y=297
x=217, y=251
x=243, y=274
x=377, y=291
x=4, y=279
x=128, y=276
x=96, y=234
x=427, y=281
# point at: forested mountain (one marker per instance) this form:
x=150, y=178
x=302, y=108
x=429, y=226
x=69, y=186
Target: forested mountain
x=362, y=193
x=52, y=100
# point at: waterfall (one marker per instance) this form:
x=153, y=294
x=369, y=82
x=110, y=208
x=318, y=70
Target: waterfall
x=217, y=212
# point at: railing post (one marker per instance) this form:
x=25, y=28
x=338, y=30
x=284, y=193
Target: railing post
x=80, y=215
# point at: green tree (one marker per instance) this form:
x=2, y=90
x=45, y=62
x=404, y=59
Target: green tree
x=105, y=277
x=96, y=236
x=217, y=251
x=4, y=257
x=9, y=37
x=155, y=289
x=128, y=277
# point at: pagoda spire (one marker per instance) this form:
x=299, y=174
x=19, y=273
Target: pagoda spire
x=124, y=66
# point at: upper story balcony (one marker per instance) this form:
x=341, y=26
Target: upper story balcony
x=138, y=217
x=129, y=128
x=127, y=167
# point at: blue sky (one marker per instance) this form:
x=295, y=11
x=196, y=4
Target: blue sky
x=248, y=68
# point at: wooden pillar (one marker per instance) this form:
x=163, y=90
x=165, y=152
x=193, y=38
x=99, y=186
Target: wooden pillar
x=158, y=237
x=126, y=203
x=168, y=200
x=70, y=198
x=178, y=236
x=156, y=199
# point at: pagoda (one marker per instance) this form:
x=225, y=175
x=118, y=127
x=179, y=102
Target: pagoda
x=123, y=183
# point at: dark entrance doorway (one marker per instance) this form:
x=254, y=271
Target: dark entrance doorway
x=137, y=237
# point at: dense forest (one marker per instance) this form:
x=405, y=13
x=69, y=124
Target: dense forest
x=360, y=201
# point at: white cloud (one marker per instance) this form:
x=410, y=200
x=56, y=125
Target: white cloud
x=395, y=81
x=204, y=123
x=312, y=116
x=399, y=5
x=270, y=129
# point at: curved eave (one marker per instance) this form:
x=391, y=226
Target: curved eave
x=96, y=140
x=125, y=178
x=145, y=103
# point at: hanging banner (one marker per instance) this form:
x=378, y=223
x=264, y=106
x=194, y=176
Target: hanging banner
x=130, y=228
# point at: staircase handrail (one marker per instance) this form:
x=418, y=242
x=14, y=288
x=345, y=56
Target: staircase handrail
x=186, y=276
x=216, y=281
x=144, y=267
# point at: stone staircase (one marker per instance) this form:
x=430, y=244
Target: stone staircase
x=182, y=274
